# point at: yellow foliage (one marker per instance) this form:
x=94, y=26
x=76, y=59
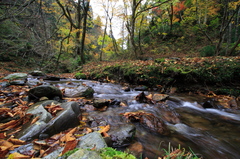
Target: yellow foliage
x=233, y=5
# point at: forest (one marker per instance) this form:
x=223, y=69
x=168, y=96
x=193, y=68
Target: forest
x=62, y=35
x=119, y=79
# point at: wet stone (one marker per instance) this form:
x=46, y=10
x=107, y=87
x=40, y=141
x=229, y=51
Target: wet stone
x=122, y=135
x=99, y=103
x=44, y=91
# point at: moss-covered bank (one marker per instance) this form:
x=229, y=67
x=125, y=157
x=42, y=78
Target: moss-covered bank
x=218, y=74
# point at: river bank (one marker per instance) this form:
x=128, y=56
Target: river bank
x=197, y=75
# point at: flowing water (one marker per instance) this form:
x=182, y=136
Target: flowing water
x=211, y=133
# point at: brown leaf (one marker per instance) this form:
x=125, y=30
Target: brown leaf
x=16, y=141
x=8, y=124
x=3, y=135
x=69, y=136
x=5, y=145
x=35, y=119
x=104, y=129
x=70, y=145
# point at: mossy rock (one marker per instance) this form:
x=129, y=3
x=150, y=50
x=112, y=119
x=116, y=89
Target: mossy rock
x=15, y=76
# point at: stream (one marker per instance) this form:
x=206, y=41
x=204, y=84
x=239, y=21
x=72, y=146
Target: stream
x=209, y=133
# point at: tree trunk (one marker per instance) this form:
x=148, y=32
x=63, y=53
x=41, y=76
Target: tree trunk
x=85, y=15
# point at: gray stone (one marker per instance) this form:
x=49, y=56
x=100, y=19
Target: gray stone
x=80, y=91
x=107, y=89
x=33, y=131
x=33, y=82
x=65, y=119
x=37, y=73
x=92, y=140
x=17, y=82
x=54, y=154
x=39, y=110
x=4, y=84
x=15, y=76
x=44, y=91
x=72, y=105
x=123, y=135
x=85, y=154
x=98, y=102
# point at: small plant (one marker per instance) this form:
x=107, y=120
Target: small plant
x=179, y=153
x=111, y=153
x=207, y=51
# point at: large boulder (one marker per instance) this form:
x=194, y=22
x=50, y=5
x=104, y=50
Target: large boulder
x=37, y=110
x=44, y=91
x=16, y=76
x=89, y=141
x=80, y=91
x=67, y=118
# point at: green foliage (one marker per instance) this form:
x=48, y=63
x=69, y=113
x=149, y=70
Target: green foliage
x=79, y=75
x=207, y=51
x=159, y=60
x=111, y=153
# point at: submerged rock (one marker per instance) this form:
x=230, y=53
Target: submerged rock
x=160, y=97
x=18, y=82
x=37, y=73
x=99, y=103
x=80, y=91
x=141, y=88
x=122, y=135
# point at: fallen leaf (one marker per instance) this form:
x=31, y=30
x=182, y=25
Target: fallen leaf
x=5, y=145
x=70, y=145
x=35, y=119
x=16, y=141
x=17, y=155
x=3, y=135
x=104, y=128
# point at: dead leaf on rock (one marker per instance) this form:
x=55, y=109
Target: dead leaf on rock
x=53, y=108
x=17, y=155
x=35, y=119
x=16, y=141
x=70, y=145
x=104, y=129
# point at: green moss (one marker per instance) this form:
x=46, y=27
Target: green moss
x=111, y=153
x=88, y=93
x=80, y=75
x=159, y=60
x=67, y=154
